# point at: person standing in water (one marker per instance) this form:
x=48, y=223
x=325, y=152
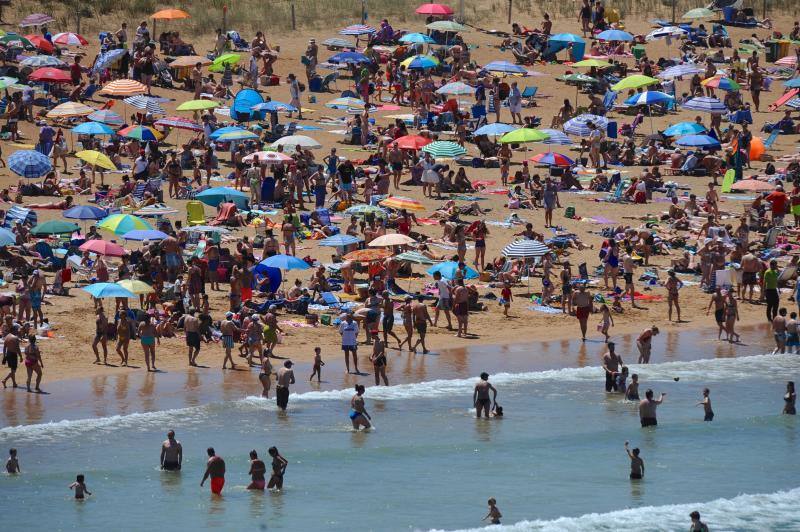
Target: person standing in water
x=611, y=363
x=80, y=488
x=283, y=379
x=171, y=453
x=647, y=409
x=637, y=464
x=421, y=320
x=265, y=376
x=358, y=412
x=378, y=359
x=215, y=468
x=12, y=464
x=645, y=344
x=779, y=331
x=632, y=391
x=11, y=354
x=279, y=464
x=697, y=525
x=706, y=402
x=257, y=471
x=789, y=399
x=494, y=512
x=318, y=363
x=480, y=396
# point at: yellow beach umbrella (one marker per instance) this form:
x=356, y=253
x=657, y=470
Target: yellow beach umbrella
x=69, y=110
x=634, y=82
x=136, y=286
x=197, y=105
x=95, y=158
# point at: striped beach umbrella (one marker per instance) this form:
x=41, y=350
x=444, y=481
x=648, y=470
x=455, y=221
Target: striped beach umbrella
x=268, y=157
x=555, y=136
x=237, y=135
x=69, y=39
x=721, y=83
x=649, y=98
x=523, y=135
x=143, y=133
x=69, y=110
x=119, y=224
x=358, y=29
x=456, y=88
x=177, y=122
x=525, y=249
x=123, y=87
x=106, y=117
x=29, y=163
x=146, y=103
x=401, y=202
x=579, y=126
x=39, y=61
x=706, y=104
x=420, y=62
x=553, y=159
x=444, y=148
x=677, y=71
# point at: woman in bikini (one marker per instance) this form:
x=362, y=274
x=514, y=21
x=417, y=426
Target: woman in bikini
x=33, y=362
x=358, y=412
x=264, y=377
x=279, y=464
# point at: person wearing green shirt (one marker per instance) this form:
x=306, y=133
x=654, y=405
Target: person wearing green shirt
x=770, y=278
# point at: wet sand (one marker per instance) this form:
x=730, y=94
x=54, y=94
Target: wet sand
x=138, y=392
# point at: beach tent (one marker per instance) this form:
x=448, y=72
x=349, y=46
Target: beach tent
x=242, y=108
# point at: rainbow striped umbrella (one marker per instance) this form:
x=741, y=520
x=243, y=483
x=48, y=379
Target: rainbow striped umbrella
x=140, y=133
x=721, y=83
x=553, y=159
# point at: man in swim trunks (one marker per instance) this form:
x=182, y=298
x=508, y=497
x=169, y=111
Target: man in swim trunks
x=215, y=468
x=191, y=326
x=630, y=268
x=421, y=320
x=718, y=301
x=751, y=267
x=348, y=329
x=172, y=256
x=779, y=331
x=11, y=355
x=647, y=409
x=582, y=301
x=171, y=453
x=283, y=378
x=461, y=307
x=229, y=331
x=480, y=396
x=611, y=364
x=637, y=464
x=387, y=321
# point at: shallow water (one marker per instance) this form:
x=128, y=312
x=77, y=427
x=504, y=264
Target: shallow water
x=429, y=464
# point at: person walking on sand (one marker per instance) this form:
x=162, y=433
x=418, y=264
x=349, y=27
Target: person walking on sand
x=81, y=491
x=566, y=288
x=257, y=471
x=11, y=354
x=647, y=409
x=171, y=453
x=358, y=412
x=461, y=308
x=582, y=301
x=494, y=514
x=779, y=331
x=697, y=525
x=378, y=359
x=124, y=333
x=318, y=363
x=12, y=464
x=283, y=378
x=645, y=344
x=731, y=317
x=611, y=364
x=421, y=320
x=229, y=331
x=33, y=363
x=215, y=468
x=444, y=304
x=264, y=377
x=100, y=336
x=480, y=396
x=191, y=326
x=279, y=464
x=408, y=321
x=789, y=399
x=348, y=330
x=637, y=464
x=387, y=321
x=672, y=285
x=706, y=402
x=606, y=321
x=718, y=302
x=147, y=337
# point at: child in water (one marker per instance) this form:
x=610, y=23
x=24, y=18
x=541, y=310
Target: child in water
x=12, y=465
x=621, y=379
x=606, y=321
x=494, y=513
x=318, y=363
x=632, y=393
x=80, y=488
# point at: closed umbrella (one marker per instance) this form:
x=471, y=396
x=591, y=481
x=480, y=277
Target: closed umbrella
x=525, y=249
x=85, y=212
x=29, y=163
x=449, y=268
x=444, y=149
x=54, y=227
x=391, y=239
x=145, y=234
x=104, y=290
x=104, y=247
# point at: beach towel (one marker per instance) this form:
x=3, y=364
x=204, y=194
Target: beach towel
x=545, y=310
x=727, y=181
x=227, y=213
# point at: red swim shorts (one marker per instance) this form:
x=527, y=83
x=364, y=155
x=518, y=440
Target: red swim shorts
x=582, y=313
x=216, y=485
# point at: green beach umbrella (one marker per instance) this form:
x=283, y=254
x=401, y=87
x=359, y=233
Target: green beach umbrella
x=197, y=105
x=54, y=227
x=446, y=25
x=578, y=78
x=444, y=149
x=522, y=135
x=10, y=38
x=700, y=12
x=218, y=65
x=634, y=82
x=591, y=63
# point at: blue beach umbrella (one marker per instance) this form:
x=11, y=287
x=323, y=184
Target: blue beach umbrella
x=614, y=35
x=566, y=37
x=649, y=98
x=505, y=67
x=217, y=133
x=272, y=105
x=273, y=274
x=145, y=234
x=85, y=212
x=107, y=59
x=237, y=135
x=420, y=62
x=41, y=61
x=339, y=241
x=107, y=117
x=29, y=163
x=556, y=137
x=496, y=129
x=92, y=128
x=684, y=128
x=215, y=196
x=448, y=270
x=7, y=238
x=417, y=38
x=698, y=141
x=101, y=290
x=706, y=104
x=579, y=125
x=349, y=58
x=285, y=262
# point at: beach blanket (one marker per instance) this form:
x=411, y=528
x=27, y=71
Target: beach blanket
x=428, y=221
x=544, y=309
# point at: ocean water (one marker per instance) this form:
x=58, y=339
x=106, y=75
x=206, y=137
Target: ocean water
x=554, y=462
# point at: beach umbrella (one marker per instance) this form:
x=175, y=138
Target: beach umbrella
x=207, y=229
x=178, y=122
x=505, y=67
x=700, y=12
x=268, y=157
x=223, y=130
x=444, y=148
x=434, y=9
x=368, y=255
x=36, y=19
x=69, y=110
x=190, y=61
x=364, y=210
x=54, y=227
x=292, y=141
x=51, y=75
x=69, y=39
x=8, y=82
x=633, y=82
x=400, y=203
x=554, y=136
x=417, y=38
x=170, y=14
x=794, y=103
x=29, y=163
x=96, y=159
x=412, y=142
x=553, y=159
x=92, y=128
x=666, y=31
x=106, y=117
x=85, y=212
x=391, y=239
x=7, y=238
x=414, y=256
x=336, y=42
x=41, y=44
x=721, y=83
x=523, y=135
x=120, y=224
x=706, y=104
x=566, y=37
x=579, y=126
x=494, y=130
x=156, y=210
x=143, y=133
x=577, y=78
x=684, y=128
x=218, y=64
x=686, y=69
x=525, y=249
x=449, y=268
x=420, y=62
x=216, y=195
x=146, y=103
x=135, y=286
x=789, y=60
x=108, y=59
x=197, y=105
x=104, y=247
x=38, y=61
x=614, y=35
x=15, y=39
x=123, y=87
x=753, y=185
x=272, y=105
x=145, y=234
x=340, y=240
x=792, y=83
x=103, y=290
x=698, y=141
x=649, y=98
x=349, y=58
x=456, y=88
x=237, y=135
x=592, y=63
x=285, y=262
x=346, y=103
x=447, y=25
x=357, y=30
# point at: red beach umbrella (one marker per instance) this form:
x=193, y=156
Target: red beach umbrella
x=50, y=74
x=412, y=142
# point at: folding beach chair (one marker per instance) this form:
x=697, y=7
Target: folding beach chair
x=529, y=93
x=617, y=195
x=195, y=214
x=327, y=80
x=17, y=214
x=771, y=139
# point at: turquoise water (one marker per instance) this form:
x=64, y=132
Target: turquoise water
x=555, y=461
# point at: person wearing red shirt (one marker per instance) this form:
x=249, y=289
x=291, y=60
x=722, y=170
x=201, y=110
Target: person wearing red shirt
x=778, y=199
x=75, y=71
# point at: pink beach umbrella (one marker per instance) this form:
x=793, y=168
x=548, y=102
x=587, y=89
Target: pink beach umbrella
x=268, y=157
x=434, y=9
x=104, y=247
